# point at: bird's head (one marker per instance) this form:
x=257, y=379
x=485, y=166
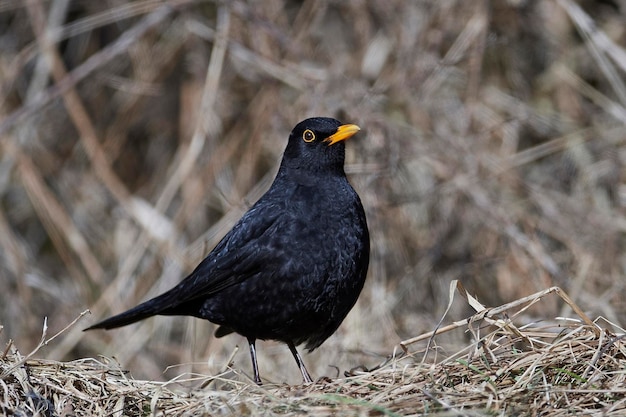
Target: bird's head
x=317, y=144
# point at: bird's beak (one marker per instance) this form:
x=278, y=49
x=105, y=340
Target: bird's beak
x=343, y=132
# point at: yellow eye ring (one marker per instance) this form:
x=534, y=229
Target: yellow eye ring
x=308, y=136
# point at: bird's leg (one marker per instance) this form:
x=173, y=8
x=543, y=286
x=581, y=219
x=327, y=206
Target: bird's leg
x=296, y=355
x=255, y=365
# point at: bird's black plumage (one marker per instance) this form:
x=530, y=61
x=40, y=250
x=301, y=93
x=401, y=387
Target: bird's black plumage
x=294, y=265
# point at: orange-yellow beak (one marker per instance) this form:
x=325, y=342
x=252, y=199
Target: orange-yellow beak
x=343, y=132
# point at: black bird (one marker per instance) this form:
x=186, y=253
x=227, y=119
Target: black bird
x=293, y=266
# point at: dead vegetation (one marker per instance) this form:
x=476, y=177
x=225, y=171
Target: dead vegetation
x=134, y=134
x=557, y=367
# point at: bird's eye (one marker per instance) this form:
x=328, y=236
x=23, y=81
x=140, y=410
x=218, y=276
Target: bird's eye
x=308, y=136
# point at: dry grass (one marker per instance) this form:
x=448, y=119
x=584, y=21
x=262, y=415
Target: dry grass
x=559, y=367
x=134, y=134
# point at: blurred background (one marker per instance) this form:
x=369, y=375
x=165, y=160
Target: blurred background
x=134, y=134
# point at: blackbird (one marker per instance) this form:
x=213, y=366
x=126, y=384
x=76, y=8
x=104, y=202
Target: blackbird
x=293, y=266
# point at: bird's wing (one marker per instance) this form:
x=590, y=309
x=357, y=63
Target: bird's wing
x=242, y=253
x=239, y=255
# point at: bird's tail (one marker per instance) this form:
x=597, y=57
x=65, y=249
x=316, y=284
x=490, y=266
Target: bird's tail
x=157, y=305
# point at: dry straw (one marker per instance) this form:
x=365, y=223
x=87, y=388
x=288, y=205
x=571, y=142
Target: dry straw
x=556, y=367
